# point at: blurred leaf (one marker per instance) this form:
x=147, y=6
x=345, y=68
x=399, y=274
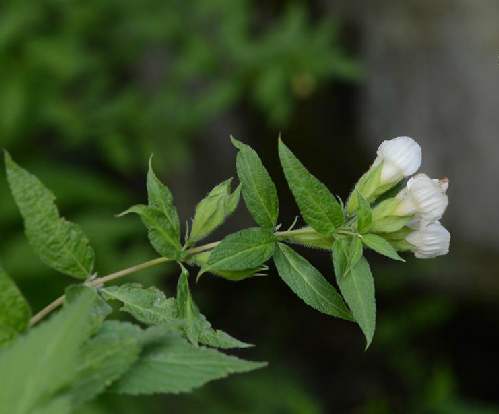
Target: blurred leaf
x=172, y=365
x=319, y=207
x=104, y=359
x=44, y=361
x=259, y=192
x=15, y=312
x=308, y=284
x=59, y=244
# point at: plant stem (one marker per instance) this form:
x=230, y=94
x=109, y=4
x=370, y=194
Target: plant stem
x=281, y=235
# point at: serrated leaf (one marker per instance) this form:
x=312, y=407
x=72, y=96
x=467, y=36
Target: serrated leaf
x=259, y=192
x=60, y=244
x=15, y=312
x=43, y=361
x=212, y=211
x=163, y=237
x=172, y=365
x=187, y=309
x=357, y=287
x=308, y=283
x=245, y=249
x=149, y=306
x=381, y=246
x=319, y=207
x=104, y=359
x=364, y=215
x=160, y=198
x=99, y=310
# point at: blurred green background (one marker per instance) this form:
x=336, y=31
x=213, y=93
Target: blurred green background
x=89, y=89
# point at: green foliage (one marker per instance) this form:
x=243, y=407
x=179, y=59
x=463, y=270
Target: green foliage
x=15, y=312
x=212, y=210
x=308, y=284
x=259, y=192
x=160, y=218
x=357, y=287
x=381, y=246
x=364, y=214
x=353, y=253
x=319, y=207
x=59, y=244
x=187, y=309
x=149, y=306
x=245, y=249
x=44, y=361
x=172, y=365
x=104, y=359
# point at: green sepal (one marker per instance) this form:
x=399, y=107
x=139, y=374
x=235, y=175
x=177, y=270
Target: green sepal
x=381, y=246
x=364, y=214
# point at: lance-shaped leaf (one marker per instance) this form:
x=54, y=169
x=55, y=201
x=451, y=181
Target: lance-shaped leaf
x=259, y=192
x=353, y=249
x=201, y=259
x=381, y=246
x=150, y=306
x=319, y=207
x=163, y=237
x=15, y=312
x=357, y=287
x=59, y=244
x=187, y=309
x=212, y=210
x=104, y=359
x=44, y=361
x=364, y=214
x=308, y=283
x=245, y=249
x=172, y=365
x=160, y=218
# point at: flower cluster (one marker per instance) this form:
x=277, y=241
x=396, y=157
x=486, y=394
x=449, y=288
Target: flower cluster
x=421, y=203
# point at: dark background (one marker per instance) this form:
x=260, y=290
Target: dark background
x=88, y=90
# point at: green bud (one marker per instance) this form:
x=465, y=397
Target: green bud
x=313, y=240
x=212, y=211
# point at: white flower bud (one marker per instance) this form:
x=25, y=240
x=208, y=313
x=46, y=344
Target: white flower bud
x=423, y=197
x=430, y=241
x=401, y=158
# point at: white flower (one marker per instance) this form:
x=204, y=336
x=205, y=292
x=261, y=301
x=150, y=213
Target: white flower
x=423, y=197
x=430, y=241
x=401, y=158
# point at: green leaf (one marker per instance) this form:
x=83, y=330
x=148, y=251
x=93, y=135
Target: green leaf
x=162, y=235
x=245, y=249
x=43, y=362
x=364, y=215
x=172, y=365
x=353, y=249
x=104, y=359
x=308, y=284
x=58, y=405
x=319, y=207
x=149, y=306
x=161, y=198
x=212, y=211
x=59, y=244
x=187, y=309
x=15, y=312
x=389, y=224
x=340, y=247
x=357, y=287
x=98, y=311
x=259, y=192
x=381, y=246
x=201, y=259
